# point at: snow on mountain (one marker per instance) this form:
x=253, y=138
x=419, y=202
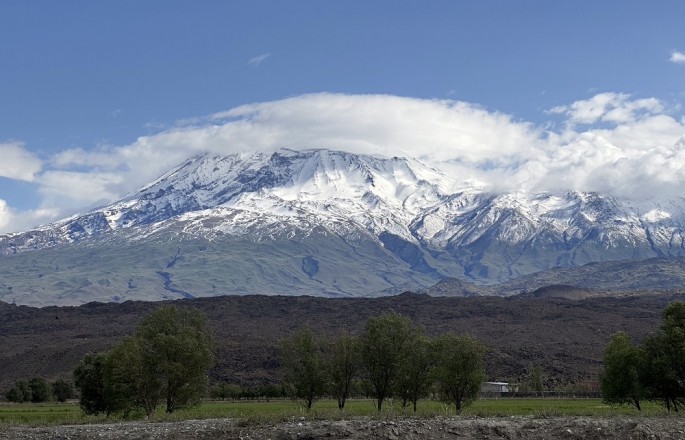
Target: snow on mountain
x=302, y=188
x=417, y=214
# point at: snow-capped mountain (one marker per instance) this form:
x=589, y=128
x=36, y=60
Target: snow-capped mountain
x=242, y=193
x=341, y=224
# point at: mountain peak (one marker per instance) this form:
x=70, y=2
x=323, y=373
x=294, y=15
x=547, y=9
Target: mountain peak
x=411, y=223
x=208, y=181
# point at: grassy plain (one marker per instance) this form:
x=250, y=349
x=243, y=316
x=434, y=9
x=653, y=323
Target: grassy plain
x=277, y=410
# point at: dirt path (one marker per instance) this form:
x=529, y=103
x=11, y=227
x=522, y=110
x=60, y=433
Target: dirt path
x=636, y=428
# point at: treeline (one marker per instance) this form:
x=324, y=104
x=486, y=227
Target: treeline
x=651, y=371
x=166, y=360
x=38, y=390
x=225, y=390
x=390, y=358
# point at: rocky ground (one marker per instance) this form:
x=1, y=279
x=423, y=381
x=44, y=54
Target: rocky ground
x=566, y=338
x=637, y=428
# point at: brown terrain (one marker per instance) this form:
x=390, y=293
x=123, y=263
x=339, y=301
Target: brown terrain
x=564, y=336
x=363, y=428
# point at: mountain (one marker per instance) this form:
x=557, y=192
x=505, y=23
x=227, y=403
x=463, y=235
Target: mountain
x=610, y=278
x=324, y=223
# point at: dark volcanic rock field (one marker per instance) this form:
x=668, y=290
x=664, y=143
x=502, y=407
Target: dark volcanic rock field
x=566, y=337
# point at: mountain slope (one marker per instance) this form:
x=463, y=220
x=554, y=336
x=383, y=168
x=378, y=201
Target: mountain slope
x=322, y=222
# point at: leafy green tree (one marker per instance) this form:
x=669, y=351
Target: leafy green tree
x=343, y=366
x=233, y=391
x=166, y=359
x=537, y=380
x=622, y=377
x=304, y=366
x=659, y=377
x=653, y=371
x=132, y=380
x=224, y=390
x=459, y=368
x=20, y=392
x=88, y=379
x=40, y=390
x=271, y=391
x=382, y=345
x=62, y=390
x=673, y=317
x=414, y=374
x=673, y=330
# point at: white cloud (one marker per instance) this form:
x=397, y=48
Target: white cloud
x=87, y=187
x=609, y=107
x=677, y=57
x=256, y=61
x=5, y=215
x=628, y=147
x=11, y=220
x=465, y=139
x=18, y=163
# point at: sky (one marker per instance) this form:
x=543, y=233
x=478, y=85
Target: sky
x=98, y=98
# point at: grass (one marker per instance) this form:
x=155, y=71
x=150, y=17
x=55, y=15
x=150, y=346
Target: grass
x=253, y=413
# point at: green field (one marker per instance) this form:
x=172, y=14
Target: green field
x=271, y=411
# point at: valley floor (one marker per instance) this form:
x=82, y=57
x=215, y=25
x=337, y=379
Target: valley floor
x=362, y=428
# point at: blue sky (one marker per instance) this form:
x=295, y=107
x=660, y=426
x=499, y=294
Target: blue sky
x=86, y=87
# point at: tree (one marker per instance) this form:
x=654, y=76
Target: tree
x=414, y=374
x=36, y=390
x=132, y=379
x=224, y=390
x=664, y=372
x=536, y=378
x=62, y=390
x=659, y=377
x=167, y=358
x=304, y=366
x=621, y=379
x=88, y=379
x=653, y=371
x=673, y=317
x=673, y=332
x=20, y=392
x=382, y=344
x=40, y=390
x=343, y=365
x=459, y=368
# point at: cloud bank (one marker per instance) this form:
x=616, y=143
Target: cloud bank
x=611, y=143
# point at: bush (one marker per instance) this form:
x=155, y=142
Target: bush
x=36, y=390
x=20, y=392
x=88, y=378
x=62, y=390
x=224, y=390
x=40, y=390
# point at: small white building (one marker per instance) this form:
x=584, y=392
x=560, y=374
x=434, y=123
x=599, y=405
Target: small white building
x=496, y=387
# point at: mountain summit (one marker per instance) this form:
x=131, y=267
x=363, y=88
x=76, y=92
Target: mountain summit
x=321, y=222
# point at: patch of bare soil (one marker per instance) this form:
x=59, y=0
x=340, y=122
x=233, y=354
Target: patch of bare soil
x=634, y=428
